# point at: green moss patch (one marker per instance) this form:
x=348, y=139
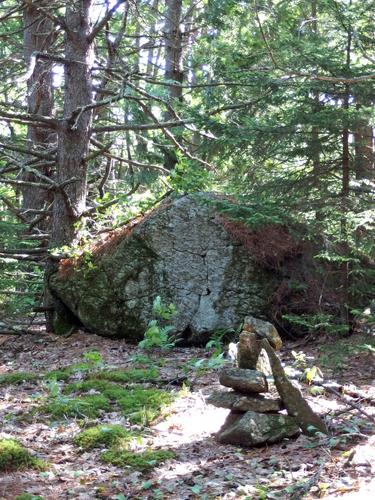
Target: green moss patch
x=108, y=389
x=142, y=461
x=139, y=405
x=102, y=435
x=85, y=406
x=143, y=406
x=127, y=376
x=62, y=374
x=17, y=378
x=28, y=496
x=13, y=456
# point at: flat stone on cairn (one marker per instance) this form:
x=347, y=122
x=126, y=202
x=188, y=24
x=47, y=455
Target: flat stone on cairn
x=242, y=380
x=240, y=403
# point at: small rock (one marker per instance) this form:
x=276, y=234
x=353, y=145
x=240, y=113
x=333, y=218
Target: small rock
x=252, y=429
x=242, y=403
x=242, y=380
x=263, y=330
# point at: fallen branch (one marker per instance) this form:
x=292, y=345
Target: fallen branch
x=351, y=404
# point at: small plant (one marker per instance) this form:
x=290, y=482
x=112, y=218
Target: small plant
x=52, y=387
x=61, y=374
x=299, y=359
x=157, y=335
x=214, y=362
x=93, y=358
x=13, y=456
x=102, y=435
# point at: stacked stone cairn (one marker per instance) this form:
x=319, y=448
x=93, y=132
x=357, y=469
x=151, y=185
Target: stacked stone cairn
x=254, y=418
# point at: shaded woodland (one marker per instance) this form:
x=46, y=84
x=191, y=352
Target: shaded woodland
x=110, y=108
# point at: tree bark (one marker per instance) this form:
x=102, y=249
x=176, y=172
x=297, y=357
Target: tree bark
x=363, y=148
x=173, y=63
x=38, y=36
x=74, y=129
x=73, y=139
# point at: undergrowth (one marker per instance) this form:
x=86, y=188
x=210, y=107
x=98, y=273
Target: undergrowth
x=335, y=355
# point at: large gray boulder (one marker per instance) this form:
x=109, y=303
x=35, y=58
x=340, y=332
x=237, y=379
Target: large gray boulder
x=180, y=252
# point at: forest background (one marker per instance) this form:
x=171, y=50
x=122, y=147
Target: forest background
x=109, y=106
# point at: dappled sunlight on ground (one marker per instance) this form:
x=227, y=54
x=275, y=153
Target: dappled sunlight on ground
x=190, y=418
x=340, y=465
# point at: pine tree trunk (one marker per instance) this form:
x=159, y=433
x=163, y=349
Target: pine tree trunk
x=74, y=129
x=173, y=63
x=363, y=148
x=73, y=135
x=38, y=36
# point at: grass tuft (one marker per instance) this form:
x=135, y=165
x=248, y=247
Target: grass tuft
x=139, y=405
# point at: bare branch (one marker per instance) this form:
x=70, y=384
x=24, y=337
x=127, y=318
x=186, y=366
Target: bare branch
x=32, y=152
x=104, y=20
x=30, y=118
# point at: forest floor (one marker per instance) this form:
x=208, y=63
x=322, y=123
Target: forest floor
x=339, y=466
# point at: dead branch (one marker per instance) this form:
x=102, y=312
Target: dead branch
x=27, y=151
x=30, y=118
x=351, y=404
x=21, y=257
x=96, y=30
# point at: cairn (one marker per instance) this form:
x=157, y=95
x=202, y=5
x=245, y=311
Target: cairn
x=254, y=418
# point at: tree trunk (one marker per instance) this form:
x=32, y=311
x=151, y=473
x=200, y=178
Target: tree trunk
x=38, y=36
x=363, y=148
x=315, y=142
x=173, y=63
x=74, y=129
x=73, y=139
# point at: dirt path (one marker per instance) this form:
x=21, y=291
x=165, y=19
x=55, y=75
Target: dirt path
x=341, y=465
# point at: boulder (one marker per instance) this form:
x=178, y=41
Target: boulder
x=243, y=380
x=241, y=403
x=181, y=252
x=253, y=429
